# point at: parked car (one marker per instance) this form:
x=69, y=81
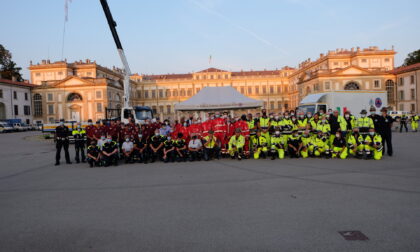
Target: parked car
x=5, y=127
x=18, y=127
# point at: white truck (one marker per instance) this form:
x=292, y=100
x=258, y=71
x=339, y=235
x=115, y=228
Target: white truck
x=353, y=101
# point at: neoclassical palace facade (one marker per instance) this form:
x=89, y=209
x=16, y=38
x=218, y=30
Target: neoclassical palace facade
x=84, y=90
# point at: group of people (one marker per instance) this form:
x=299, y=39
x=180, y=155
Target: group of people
x=293, y=133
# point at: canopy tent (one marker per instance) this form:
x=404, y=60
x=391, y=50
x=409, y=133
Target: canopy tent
x=218, y=98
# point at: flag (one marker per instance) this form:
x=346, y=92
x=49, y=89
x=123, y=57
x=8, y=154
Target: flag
x=66, y=10
x=209, y=59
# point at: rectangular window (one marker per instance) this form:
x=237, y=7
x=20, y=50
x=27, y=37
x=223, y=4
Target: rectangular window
x=279, y=105
x=15, y=95
x=376, y=83
x=265, y=104
x=264, y=90
x=327, y=85
x=278, y=89
x=154, y=110
x=242, y=90
x=153, y=93
x=50, y=109
x=364, y=60
x=386, y=59
x=160, y=93
x=26, y=110
x=412, y=94
x=271, y=105
x=271, y=90
x=26, y=96
x=161, y=109
x=168, y=109
x=37, y=74
x=197, y=90
x=89, y=73
x=98, y=107
x=346, y=63
x=286, y=89
x=257, y=90
x=16, y=110
x=50, y=97
x=412, y=79
x=249, y=90
x=413, y=107
x=401, y=81
x=335, y=63
x=1, y=93
x=139, y=94
x=401, y=95
x=402, y=106
x=60, y=73
x=286, y=106
x=146, y=94
x=98, y=94
x=189, y=92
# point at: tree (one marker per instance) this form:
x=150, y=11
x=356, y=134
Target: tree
x=412, y=58
x=8, y=68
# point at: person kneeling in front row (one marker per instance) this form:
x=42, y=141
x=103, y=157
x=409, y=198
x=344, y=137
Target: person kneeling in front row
x=93, y=154
x=109, y=152
x=195, y=146
x=236, y=145
x=211, y=148
x=127, y=149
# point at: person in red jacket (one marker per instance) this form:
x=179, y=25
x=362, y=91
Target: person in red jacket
x=220, y=130
x=195, y=129
x=207, y=126
x=243, y=125
x=90, y=132
x=113, y=131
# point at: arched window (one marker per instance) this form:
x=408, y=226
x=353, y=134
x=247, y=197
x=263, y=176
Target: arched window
x=352, y=86
x=37, y=105
x=74, y=97
x=390, y=89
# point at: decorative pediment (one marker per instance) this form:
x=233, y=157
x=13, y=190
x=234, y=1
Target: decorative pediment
x=352, y=70
x=73, y=81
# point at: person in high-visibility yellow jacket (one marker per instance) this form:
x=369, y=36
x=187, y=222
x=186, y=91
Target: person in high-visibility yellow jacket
x=302, y=122
x=277, y=145
x=373, y=143
x=320, y=145
x=236, y=145
x=264, y=125
x=339, y=147
x=414, y=122
x=286, y=126
x=364, y=123
x=323, y=125
x=355, y=143
x=259, y=145
x=306, y=141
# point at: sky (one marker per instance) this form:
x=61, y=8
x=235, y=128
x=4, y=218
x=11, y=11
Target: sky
x=178, y=36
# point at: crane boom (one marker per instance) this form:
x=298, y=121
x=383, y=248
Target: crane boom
x=112, y=26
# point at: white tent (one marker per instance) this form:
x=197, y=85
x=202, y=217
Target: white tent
x=218, y=98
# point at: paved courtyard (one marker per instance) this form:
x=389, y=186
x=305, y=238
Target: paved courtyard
x=226, y=205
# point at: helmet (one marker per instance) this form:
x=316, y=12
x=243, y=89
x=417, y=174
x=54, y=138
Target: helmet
x=363, y=111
